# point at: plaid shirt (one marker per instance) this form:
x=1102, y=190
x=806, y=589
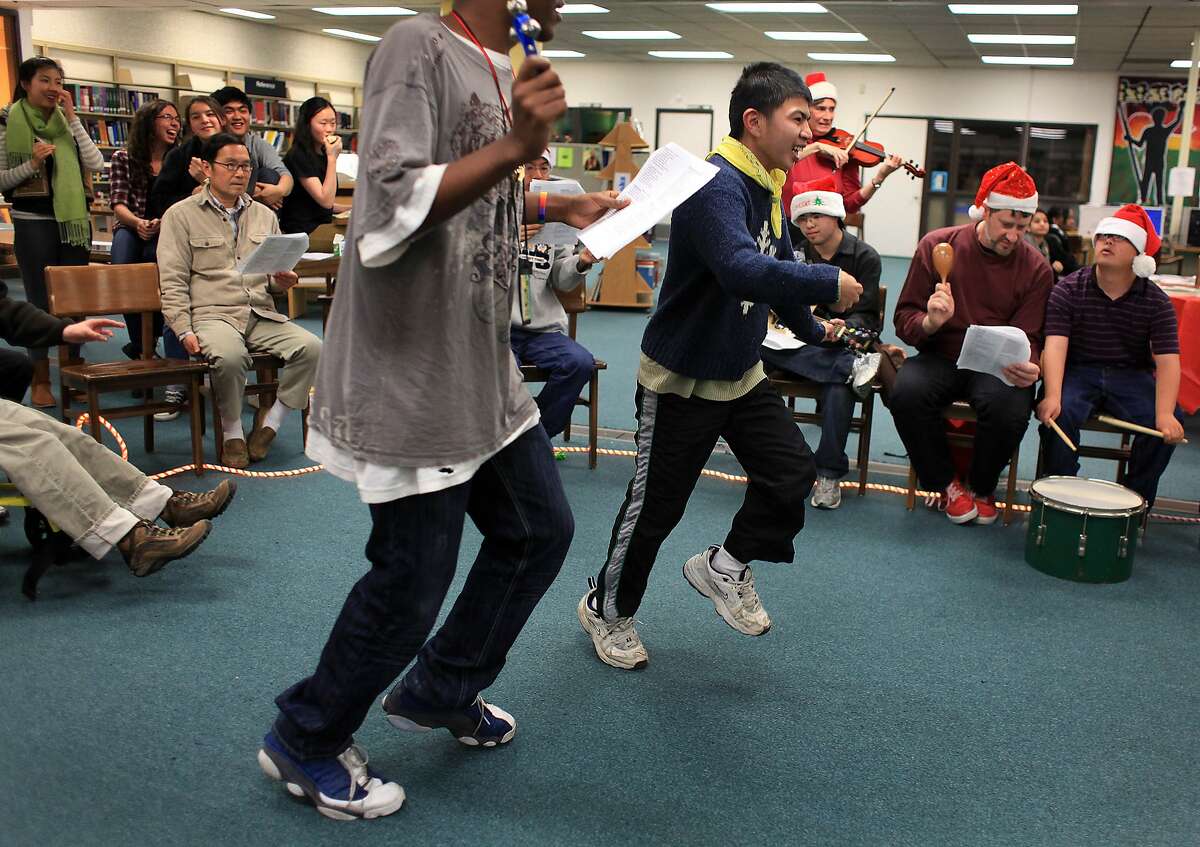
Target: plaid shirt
x=127, y=186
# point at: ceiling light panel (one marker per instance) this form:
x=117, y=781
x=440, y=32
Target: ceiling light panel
x=690, y=54
x=989, y=38
x=349, y=33
x=246, y=13
x=852, y=57
x=770, y=8
x=632, y=34
x=364, y=11
x=1013, y=9
x=1050, y=61
x=583, y=9
x=786, y=35
x=563, y=54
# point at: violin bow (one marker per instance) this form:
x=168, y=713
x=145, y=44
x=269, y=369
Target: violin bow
x=874, y=114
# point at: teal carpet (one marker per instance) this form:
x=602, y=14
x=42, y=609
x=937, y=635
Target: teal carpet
x=922, y=685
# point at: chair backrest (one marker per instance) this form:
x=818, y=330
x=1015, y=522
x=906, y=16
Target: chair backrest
x=574, y=303
x=320, y=240
x=88, y=290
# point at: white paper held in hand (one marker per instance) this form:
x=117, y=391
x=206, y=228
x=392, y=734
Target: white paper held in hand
x=555, y=233
x=990, y=349
x=276, y=254
x=670, y=176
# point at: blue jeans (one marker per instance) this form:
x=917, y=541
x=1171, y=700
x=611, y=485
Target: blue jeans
x=1122, y=393
x=516, y=501
x=129, y=249
x=831, y=367
x=569, y=365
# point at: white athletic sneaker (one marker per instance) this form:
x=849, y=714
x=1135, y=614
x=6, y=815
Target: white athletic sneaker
x=827, y=494
x=736, y=600
x=616, y=644
x=862, y=372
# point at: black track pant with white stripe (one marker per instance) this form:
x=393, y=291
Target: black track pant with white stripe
x=675, y=437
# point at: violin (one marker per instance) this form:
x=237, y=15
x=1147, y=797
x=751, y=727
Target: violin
x=864, y=153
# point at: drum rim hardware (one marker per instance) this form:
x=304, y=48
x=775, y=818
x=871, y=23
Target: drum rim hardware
x=1097, y=511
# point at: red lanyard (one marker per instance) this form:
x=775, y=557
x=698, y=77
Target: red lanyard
x=491, y=66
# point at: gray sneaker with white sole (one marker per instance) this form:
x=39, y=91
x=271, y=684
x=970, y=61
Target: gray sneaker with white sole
x=735, y=600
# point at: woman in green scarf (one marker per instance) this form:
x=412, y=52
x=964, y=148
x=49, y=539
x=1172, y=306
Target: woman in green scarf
x=44, y=150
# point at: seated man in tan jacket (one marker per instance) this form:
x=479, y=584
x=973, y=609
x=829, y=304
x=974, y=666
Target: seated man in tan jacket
x=216, y=310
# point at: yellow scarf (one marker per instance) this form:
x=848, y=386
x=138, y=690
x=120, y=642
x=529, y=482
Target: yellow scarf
x=737, y=154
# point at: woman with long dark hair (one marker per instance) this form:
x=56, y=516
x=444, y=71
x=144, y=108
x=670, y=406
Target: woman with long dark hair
x=132, y=174
x=312, y=160
x=44, y=153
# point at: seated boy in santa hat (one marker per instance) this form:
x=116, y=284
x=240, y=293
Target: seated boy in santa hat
x=1112, y=346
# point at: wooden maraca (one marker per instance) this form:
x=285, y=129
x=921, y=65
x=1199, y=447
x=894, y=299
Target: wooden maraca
x=943, y=260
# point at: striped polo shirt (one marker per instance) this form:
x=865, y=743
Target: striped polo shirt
x=1121, y=333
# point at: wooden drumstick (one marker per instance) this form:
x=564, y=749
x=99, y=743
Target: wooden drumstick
x=943, y=260
x=1054, y=426
x=1131, y=427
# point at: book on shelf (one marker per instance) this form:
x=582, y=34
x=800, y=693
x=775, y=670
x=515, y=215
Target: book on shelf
x=109, y=100
x=276, y=138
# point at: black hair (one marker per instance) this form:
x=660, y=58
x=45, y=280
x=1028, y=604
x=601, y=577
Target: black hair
x=214, y=145
x=764, y=87
x=1056, y=213
x=230, y=94
x=29, y=69
x=302, y=134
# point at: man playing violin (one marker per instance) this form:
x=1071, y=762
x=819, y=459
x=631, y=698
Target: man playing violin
x=998, y=279
x=821, y=157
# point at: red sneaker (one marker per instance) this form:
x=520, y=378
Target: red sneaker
x=986, y=507
x=960, y=505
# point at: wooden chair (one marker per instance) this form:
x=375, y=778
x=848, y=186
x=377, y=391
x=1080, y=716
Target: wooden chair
x=77, y=292
x=574, y=302
x=960, y=410
x=791, y=387
x=266, y=371
x=1119, y=454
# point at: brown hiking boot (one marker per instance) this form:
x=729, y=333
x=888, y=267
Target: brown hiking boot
x=147, y=547
x=260, y=443
x=186, y=508
x=234, y=454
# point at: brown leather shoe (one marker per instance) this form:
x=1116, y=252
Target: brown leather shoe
x=148, y=547
x=186, y=508
x=40, y=394
x=260, y=443
x=234, y=453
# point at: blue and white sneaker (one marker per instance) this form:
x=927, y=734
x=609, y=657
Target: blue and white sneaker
x=342, y=787
x=478, y=725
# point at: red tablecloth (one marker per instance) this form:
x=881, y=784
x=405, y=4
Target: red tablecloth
x=1187, y=308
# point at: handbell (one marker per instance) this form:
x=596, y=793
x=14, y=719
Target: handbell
x=525, y=30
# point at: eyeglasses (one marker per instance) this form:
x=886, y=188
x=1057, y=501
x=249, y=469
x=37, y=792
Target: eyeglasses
x=171, y=119
x=1109, y=236
x=236, y=167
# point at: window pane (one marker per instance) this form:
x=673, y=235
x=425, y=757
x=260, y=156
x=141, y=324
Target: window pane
x=1060, y=159
x=981, y=146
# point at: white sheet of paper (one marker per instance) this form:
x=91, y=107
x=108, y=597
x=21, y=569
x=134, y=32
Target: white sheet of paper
x=990, y=349
x=555, y=233
x=316, y=257
x=276, y=254
x=1181, y=182
x=347, y=165
x=670, y=176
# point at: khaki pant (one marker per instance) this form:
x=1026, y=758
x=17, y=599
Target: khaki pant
x=228, y=352
x=81, y=486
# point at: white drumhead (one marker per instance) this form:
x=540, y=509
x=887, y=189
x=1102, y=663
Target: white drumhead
x=1087, y=493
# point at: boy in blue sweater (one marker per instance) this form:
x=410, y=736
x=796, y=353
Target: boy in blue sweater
x=700, y=376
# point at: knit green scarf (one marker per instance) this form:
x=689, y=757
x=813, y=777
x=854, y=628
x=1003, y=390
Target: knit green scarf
x=70, y=201
x=738, y=154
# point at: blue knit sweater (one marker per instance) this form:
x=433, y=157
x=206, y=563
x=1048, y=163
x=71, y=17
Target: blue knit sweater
x=725, y=271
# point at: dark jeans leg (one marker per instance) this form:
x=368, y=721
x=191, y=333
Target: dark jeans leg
x=924, y=387
x=675, y=437
x=128, y=249
x=837, y=408
x=16, y=374
x=569, y=365
x=1003, y=416
x=1129, y=395
x=518, y=503
x=769, y=445
x=36, y=244
x=413, y=550
x=1080, y=394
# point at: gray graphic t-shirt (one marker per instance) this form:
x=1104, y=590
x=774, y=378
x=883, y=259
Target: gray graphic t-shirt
x=416, y=370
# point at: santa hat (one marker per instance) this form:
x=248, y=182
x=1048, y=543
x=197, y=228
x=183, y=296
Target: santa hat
x=819, y=197
x=1133, y=224
x=820, y=88
x=1005, y=186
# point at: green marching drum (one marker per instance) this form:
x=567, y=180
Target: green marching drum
x=1083, y=529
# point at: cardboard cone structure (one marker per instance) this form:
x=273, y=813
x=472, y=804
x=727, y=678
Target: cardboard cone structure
x=621, y=286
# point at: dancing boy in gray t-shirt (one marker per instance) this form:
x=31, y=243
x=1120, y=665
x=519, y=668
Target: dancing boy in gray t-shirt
x=418, y=402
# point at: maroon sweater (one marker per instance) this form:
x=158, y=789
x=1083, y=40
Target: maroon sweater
x=988, y=289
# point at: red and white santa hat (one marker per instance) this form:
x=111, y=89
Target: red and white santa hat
x=819, y=197
x=1133, y=224
x=820, y=88
x=1005, y=186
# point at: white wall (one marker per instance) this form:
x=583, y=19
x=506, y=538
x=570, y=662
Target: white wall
x=212, y=39
x=996, y=94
